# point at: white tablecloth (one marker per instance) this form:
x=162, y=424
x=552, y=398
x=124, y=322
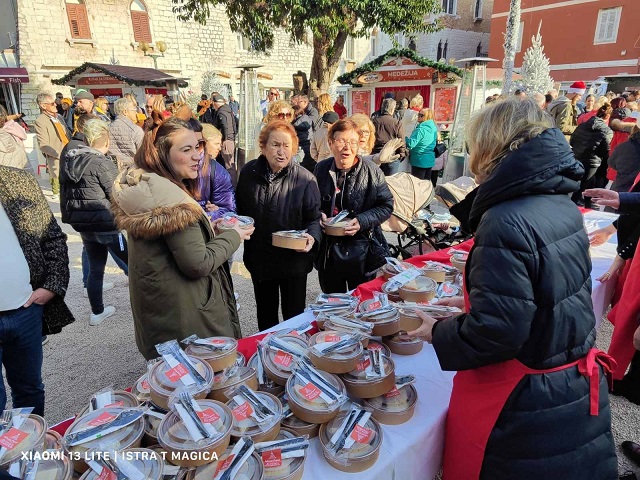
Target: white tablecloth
x=414, y=450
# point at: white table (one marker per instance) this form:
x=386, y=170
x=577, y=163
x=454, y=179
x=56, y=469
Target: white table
x=601, y=259
x=409, y=451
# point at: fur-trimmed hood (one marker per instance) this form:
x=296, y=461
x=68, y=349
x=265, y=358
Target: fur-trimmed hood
x=148, y=206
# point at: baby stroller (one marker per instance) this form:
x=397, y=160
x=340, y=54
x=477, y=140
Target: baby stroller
x=415, y=220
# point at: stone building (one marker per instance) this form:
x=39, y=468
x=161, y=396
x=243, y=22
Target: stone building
x=56, y=36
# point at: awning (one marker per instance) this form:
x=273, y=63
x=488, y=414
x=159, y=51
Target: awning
x=137, y=76
x=14, y=75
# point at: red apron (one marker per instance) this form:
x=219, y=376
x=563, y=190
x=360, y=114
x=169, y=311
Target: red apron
x=478, y=397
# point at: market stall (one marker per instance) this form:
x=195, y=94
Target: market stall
x=404, y=74
x=113, y=81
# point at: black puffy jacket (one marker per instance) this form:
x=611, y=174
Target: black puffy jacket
x=290, y=201
x=365, y=194
x=86, y=182
x=590, y=142
x=529, y=284
x=225, y=121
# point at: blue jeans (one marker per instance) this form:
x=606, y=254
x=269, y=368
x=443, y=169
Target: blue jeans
x=21, y=354
x=85, y=266
x=390, y=168
x=97, y=246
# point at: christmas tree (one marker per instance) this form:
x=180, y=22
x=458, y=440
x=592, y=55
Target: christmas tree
x=510, y=41
x=535, y=68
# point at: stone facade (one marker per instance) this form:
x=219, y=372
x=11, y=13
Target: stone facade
x=48, y=52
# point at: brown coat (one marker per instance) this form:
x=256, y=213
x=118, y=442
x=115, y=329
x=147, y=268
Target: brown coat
x=42, y=241
x=179, y=279
x=49, y=141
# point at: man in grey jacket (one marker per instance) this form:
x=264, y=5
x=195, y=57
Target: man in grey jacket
x=124, y=135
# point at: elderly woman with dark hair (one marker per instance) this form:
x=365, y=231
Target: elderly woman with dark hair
x=530, y=399
x=347, y=182
x=279, y=195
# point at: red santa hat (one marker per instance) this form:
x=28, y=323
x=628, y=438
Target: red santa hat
x=577, y=87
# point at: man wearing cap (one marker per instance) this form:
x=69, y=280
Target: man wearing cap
x=225, y=121
x=52, y=135
x=86, y=104
x=563, y=109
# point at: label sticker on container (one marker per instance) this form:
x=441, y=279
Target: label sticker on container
x=334, y=299
x=242, y=411
x=216, y=341
x=310, y=392
x=374, y=346
x=104, y=417
x=272, y=458
x=283, y=359
x=176, y=373
x=361, y=434
x=106, y=474
x=144, y=386
x=119, y=403
x=363, y=365
x=208, y=415
x=331, y=338
x=223, y=465
x=393, y=393
x=374, y=305
x=12, y=438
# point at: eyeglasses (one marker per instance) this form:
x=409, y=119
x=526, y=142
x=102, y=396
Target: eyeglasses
x=421, y=116
x=201, y=145
x=341, y=142
x=283, y=115
x=273, y=93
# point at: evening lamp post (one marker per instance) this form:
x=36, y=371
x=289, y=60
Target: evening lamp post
x=161, y=46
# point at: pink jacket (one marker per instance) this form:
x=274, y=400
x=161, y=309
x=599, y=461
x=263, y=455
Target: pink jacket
x=16, y=131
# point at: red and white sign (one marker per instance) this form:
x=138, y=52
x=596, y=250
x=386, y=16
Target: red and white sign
x=374, y=305
x=331, y=338
x=14, y=75
x=104, y=417
x=100, y=80
x=283, y=359
x=363, y=365
x=223, y=465
x=176, y=373
x=406, y=75
x=393, y=393
x=242, y=412
x=310, y=392
x=361, y=434
x=208, y=415
x=107, y=474
x=12, y=438
x=272, y=458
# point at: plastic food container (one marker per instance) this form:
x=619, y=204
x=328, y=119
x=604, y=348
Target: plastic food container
x=375, y=345
x=218, y=359
x=409, y=319
x=269, y=386
x=392, y=293
x=35, y=428
x=246, y=425
x=161, y=386
x=277, y=364
x=337, y=229
x=434, y=271
x=389, y=271
x=151, y=425
x=231, y=221
x=365, y=333
x=227, y=379
x=360, y=456
x=240, y=360
x=384, y=323
x=52, y=440
x=290, y=240
x=174, y=437
x=359, y=386
x=342, y=361
x=120, y=399
x=147, y=462
x=403, y=344
x=54, y=469
x=420, y=289
x=306, y=403
x=285, y=468
x=123, y=438
x=459, y=260
x=292, y=423
x=394, y=407
x=252, y=469
x=141, y=389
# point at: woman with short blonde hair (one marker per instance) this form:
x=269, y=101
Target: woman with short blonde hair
x=368, y=138
x=410, y=117
x=522, y=347
x=279, y=110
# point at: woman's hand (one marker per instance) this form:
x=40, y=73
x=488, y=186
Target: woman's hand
x=457, y=302
x=309, y=245
x=352, y=227
x=614, y=270
x=210, y=207
x=603, y=197
x=426, y=330
x=245, y=233
x=601, y=236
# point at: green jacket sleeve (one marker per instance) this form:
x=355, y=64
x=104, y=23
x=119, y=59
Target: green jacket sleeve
x=415, y=138
x=565, y=120
x=197, y=258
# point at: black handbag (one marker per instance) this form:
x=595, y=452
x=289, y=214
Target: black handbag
x=439, y=149
x=346, y=256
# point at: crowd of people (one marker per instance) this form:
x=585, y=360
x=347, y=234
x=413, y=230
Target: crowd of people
x=156, y=192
